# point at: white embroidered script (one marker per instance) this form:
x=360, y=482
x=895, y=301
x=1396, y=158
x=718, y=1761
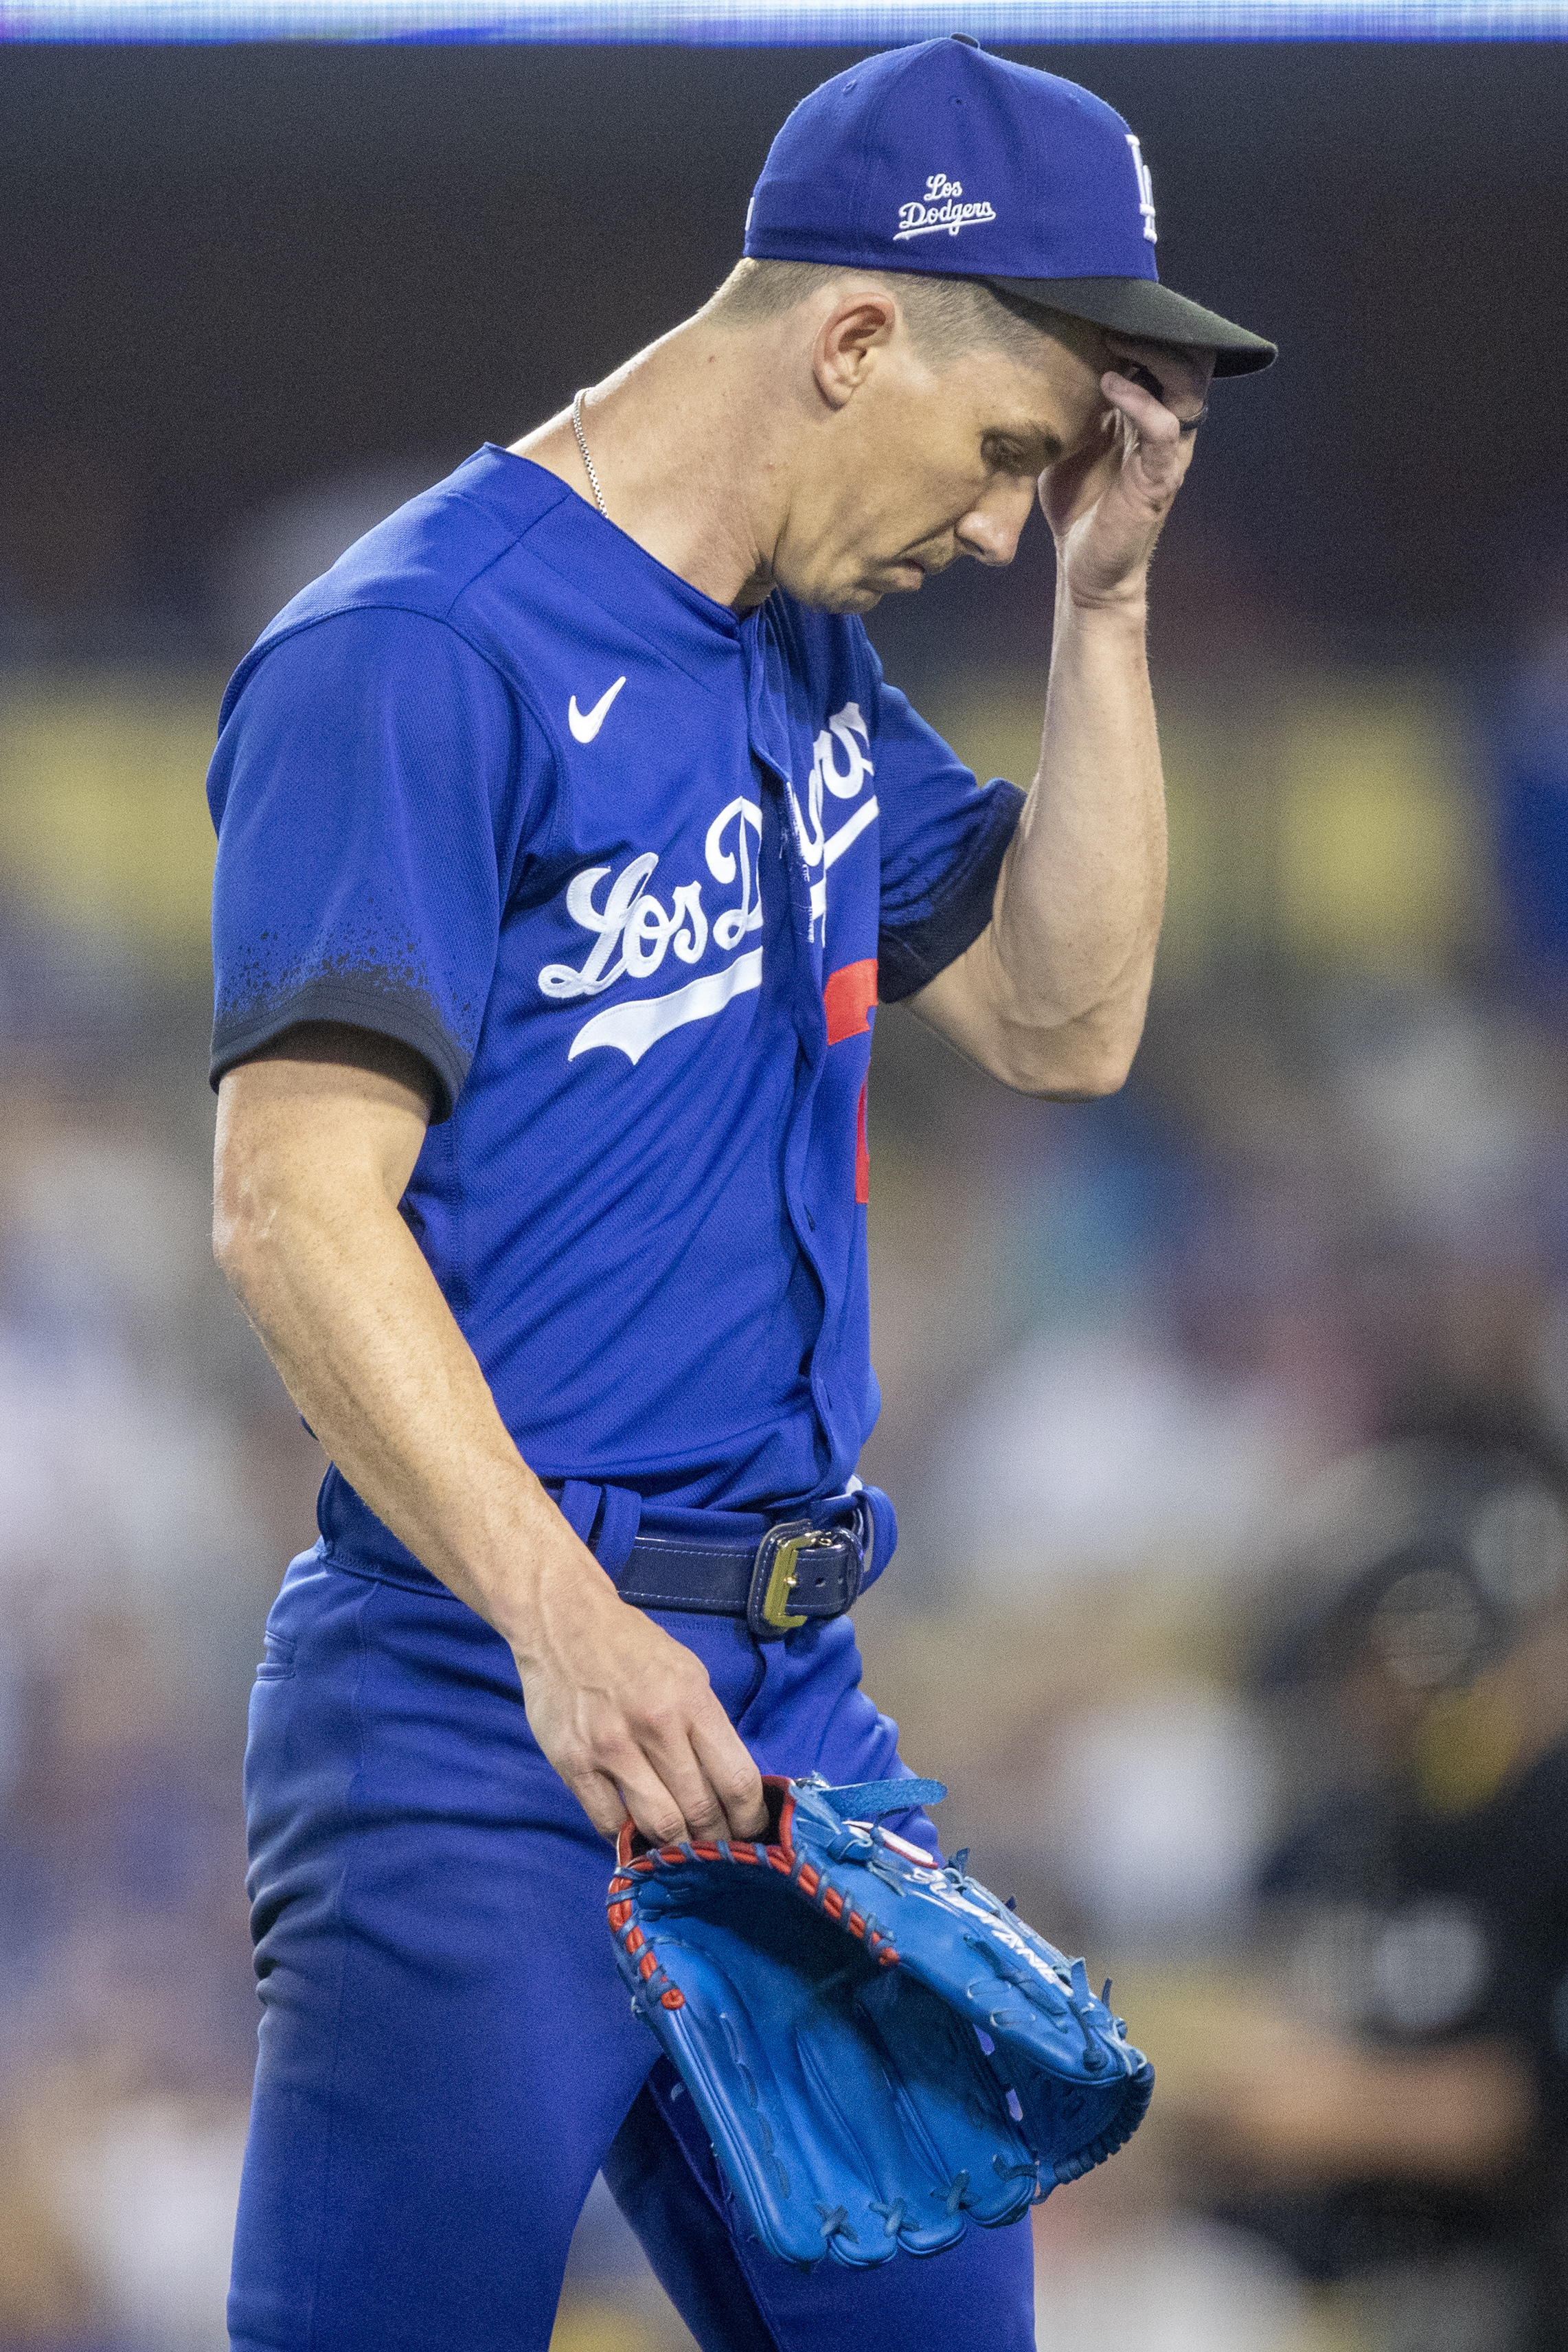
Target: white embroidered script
x=635, y=929
x=845, y=783
x=943, y=206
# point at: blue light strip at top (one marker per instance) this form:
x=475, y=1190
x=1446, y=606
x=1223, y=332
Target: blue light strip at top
x=782, y=23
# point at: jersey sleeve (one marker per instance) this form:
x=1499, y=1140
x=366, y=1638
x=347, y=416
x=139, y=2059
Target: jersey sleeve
x=368, y=795
x=943, y=841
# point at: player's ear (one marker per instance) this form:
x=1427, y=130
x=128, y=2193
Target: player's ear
x=849, y=340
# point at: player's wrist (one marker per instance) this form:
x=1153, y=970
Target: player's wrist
x=1124, y=605
x=535, y=1580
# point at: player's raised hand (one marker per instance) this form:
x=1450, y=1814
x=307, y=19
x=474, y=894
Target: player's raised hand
x=1107, y=501
x=628, y=1718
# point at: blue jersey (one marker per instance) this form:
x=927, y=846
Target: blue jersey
x=624, y=869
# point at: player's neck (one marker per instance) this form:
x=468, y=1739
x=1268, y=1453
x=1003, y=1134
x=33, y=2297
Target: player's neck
x=690, y=447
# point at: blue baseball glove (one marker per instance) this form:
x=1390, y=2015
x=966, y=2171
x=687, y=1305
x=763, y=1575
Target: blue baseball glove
x=880, y=2051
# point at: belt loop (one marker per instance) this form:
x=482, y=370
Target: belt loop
x=579, y=1506
x=884, y=1532
x=618, y=1529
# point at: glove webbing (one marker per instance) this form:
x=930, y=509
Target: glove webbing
x=868, y=1799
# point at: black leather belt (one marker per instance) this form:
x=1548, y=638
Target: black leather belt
x=798, y=1572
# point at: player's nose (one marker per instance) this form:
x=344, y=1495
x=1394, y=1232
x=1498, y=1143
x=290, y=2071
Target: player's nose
x=990, y=533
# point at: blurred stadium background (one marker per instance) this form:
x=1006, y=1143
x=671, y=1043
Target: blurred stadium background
x=252, y=298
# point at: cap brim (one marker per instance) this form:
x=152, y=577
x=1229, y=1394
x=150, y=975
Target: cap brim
x=1143, y=307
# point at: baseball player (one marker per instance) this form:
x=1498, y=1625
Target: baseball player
x=569, y=837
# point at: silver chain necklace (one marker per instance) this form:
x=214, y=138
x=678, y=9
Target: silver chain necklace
x=587, y=460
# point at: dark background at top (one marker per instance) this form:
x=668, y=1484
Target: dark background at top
x=229, y=272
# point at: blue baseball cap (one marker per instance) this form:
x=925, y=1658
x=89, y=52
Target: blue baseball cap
x=946, y=160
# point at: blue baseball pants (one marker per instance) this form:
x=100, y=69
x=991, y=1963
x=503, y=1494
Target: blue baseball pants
x=447, y=2056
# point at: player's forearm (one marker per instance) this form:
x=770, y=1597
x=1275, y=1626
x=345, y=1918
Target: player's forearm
x=1082, y=893
x=368, y=1348
x=1051, y=997
x=314, y=1152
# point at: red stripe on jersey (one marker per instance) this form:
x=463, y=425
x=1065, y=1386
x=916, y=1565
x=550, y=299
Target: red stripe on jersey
x=862, y=1154
x=848, y=997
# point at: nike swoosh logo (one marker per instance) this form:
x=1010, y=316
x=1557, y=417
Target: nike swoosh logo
x=634, y=1027
x=586, y=724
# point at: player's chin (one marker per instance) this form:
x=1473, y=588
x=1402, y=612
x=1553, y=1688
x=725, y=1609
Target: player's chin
x=858, y=598
x=888, y=580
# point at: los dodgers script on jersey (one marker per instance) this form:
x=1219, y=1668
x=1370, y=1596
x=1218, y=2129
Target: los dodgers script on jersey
x=624, y=870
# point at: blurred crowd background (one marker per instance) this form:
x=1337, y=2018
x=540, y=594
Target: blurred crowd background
x=1224, y=1419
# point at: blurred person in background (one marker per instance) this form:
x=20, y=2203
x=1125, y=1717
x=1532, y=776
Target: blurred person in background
x=1388, y=2102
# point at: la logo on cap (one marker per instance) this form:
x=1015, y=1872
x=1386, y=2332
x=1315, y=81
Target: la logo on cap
x=1145, y=189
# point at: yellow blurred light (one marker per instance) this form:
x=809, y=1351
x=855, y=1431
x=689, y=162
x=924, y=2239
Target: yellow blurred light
x=1318, y=822
x=1329, y=823
x=1376, y=857
x=103, y=814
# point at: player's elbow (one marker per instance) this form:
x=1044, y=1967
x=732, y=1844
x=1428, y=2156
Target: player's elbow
x=1075, y=1062
x=1066, y=1044
x=243, y=1216
x=253, y=1209
x=1081, y=1085
x=1088, y=1083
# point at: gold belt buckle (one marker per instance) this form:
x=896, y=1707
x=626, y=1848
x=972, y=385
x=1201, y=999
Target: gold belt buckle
x=777, y=1572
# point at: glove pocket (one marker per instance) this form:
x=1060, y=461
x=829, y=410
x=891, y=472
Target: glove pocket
x=852, y=2112
x=790, y=2091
